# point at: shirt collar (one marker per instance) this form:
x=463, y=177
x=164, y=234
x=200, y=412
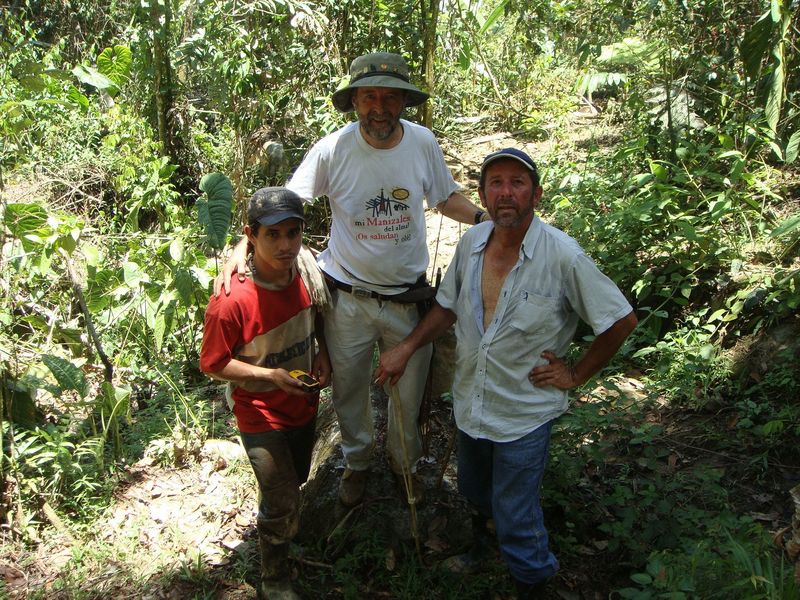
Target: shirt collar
x=528, y=242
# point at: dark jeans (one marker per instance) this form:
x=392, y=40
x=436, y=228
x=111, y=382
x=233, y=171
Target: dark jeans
x=281, y=461
x=502, y=480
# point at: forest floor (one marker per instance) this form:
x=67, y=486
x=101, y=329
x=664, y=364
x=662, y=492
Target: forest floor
x=186, y=528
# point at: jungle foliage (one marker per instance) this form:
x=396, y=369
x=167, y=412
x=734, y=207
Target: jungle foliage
x=130, y=132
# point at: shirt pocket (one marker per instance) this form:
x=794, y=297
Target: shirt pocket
x=534, y=313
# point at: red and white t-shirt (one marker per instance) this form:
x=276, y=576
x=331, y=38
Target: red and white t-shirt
x=268, y=328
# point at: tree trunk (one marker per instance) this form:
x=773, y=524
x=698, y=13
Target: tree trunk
x=162, y=70
x=430, y=18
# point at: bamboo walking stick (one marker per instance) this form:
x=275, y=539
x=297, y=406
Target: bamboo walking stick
x=407, y=479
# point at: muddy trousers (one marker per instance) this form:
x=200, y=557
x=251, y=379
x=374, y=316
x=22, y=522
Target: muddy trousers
x=281, y=461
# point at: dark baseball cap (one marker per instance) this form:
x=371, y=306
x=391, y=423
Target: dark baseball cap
x=512, y=153
x=272, y=205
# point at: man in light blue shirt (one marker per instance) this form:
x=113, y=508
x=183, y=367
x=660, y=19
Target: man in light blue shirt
x=516, y=290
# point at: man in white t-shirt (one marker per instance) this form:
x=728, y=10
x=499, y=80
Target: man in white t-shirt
x=379, y=174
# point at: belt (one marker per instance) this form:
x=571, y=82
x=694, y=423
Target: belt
x=358, y=292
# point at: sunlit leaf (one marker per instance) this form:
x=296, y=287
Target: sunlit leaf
x=22, y=219
x=92, y=77
x=76, y=97
x=787, y=226
x=775, y=93
x=215, y=213
x=792, y=147
x=68, y=376
x=115, y=63
x=498, y=11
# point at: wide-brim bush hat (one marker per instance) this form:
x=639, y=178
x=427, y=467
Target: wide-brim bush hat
x=378, y=69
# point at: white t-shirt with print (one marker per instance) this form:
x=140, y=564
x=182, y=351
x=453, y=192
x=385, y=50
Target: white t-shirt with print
x=376, y=198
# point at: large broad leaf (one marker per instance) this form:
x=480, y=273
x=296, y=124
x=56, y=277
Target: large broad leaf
x=775, y=90
x=22, y=219
x=755, y=43
x=94, y=78
x=68, y=376
x=184, y=284
x=115, y=63
x=792, y=147
x=215, y=213
x=76, y=97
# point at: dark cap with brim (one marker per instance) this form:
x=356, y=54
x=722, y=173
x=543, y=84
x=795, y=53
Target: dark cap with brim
x=272, y=205
x=379, y=69
x=511, y=153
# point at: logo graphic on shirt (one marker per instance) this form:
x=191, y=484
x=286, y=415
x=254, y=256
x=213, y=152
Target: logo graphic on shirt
x=386, y=217
x=381, y=205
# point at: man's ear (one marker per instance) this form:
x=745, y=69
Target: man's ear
x=248, y=233
x=481, y=196
x=537, y=195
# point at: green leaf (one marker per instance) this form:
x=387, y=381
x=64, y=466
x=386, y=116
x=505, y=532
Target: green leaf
x=755, y=43
x=775, y=10
x=792, y=148
x=22, y=219
x=775, y=94
x=33, y=83
x=642, y=578
x=641, y=180
x=76, y=97
x=117, y=399
x=92, y=77
x=465, y=55
x=494, y=15
x=215, y=214
x=184, y=284
x=176, y=250
x=68, y=376
x=787, y=226
x=115, y=63
x=133, y=274
x=90, y=254
x=159, y=329
x=718, y=314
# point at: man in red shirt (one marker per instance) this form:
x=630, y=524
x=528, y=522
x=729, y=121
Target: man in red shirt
x=270, y=325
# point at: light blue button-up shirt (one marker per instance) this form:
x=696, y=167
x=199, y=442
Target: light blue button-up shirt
x=552, y=285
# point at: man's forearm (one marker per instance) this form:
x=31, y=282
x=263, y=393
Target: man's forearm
x=237, y=370
x=435, y=322
x=458, y=208
x=603, y=348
